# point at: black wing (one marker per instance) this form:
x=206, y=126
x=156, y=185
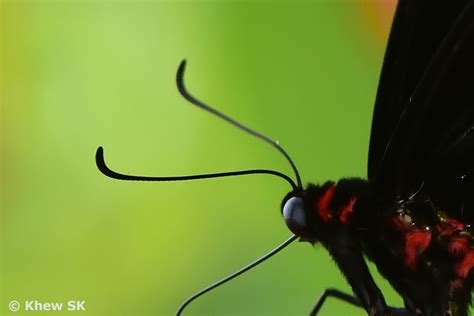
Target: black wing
x=424, y=110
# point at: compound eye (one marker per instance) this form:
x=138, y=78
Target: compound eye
x=295, y=216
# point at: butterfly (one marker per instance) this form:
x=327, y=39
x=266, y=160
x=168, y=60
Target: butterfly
x=412, y=214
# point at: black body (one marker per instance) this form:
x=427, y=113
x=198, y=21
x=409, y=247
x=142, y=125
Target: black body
x=412, y=216
x=422, y=142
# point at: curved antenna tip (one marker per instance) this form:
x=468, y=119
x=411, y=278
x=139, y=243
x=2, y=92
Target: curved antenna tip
x=181, y=68
x=102, y=166
x=180, y=79
x=99, y=160
x=99, y=154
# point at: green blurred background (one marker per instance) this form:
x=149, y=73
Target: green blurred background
x=79, y=74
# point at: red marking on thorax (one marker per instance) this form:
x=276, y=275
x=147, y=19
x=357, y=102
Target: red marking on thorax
x=465, y=265
x=416, y=242
x=458, y=245
x=347, y=210
x=322, y=203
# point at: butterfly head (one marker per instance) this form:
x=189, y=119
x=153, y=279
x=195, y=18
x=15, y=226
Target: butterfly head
x=294, y=213
x=306, y=212
x=295, y=209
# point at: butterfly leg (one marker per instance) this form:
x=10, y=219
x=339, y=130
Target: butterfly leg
x=348, y=257
x=351, y=299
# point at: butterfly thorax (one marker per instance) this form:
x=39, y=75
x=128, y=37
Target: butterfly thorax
x=427, y=256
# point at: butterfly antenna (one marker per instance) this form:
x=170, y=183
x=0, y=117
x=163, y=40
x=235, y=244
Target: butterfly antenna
x=193, y=100
x=100, y=162
x=235, y=274
x=102, y=166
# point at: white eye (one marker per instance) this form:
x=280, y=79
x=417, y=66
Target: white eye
x=294, y=214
